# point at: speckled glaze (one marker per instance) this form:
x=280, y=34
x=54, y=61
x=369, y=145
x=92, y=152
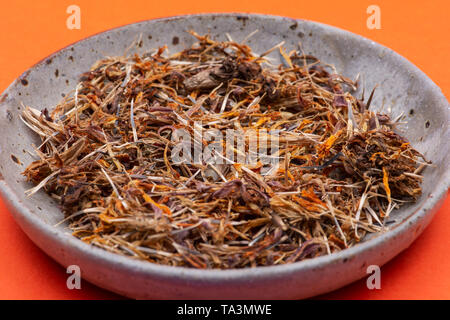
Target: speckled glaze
x=403, y=89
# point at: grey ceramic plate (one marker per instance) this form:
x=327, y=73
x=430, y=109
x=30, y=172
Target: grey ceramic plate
x=402, y=88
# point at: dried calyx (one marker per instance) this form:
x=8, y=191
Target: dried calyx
x=105, y=156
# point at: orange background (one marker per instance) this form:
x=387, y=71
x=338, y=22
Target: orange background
x=418, y=30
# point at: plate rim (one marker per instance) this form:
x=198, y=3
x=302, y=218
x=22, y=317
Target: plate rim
x=428, y=207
